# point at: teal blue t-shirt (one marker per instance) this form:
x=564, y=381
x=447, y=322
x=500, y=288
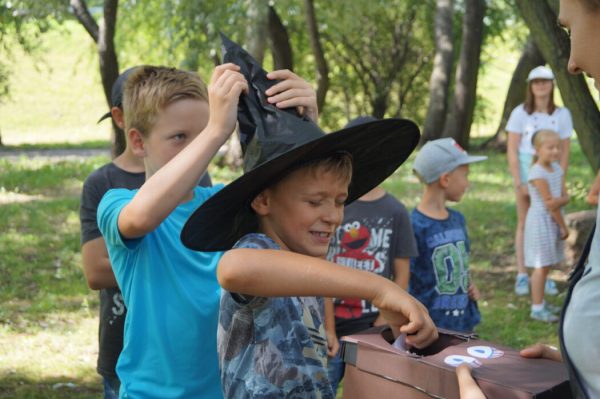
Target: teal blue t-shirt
x=172, y=296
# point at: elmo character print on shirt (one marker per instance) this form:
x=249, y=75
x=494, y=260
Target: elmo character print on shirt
x=355, y=239
x=363, y=245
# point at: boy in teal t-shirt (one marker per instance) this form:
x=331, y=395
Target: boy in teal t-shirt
x=171, y=292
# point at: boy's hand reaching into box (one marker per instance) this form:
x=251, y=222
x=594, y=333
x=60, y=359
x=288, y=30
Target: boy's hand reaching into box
x=406, y=315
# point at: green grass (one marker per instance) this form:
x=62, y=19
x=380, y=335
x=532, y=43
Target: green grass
x=48, y=322
x=48, y=317
x=56, y=95
x=85, y=145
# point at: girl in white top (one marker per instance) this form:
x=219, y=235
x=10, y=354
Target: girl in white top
x=545, y=227
x=536, y=113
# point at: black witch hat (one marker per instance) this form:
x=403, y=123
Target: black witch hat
x=274, y=142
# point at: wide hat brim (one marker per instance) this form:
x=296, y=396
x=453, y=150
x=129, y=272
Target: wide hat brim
x=377, y=150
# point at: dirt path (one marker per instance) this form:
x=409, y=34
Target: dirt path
x=55, y=154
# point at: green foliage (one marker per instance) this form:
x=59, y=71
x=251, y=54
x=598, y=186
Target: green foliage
x=22, y=22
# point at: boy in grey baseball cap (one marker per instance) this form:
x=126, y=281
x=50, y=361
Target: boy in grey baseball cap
x=441, y=156
x=439, y=275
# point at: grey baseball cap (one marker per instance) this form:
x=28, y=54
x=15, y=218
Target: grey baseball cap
x=441, y=156
x=116, y=94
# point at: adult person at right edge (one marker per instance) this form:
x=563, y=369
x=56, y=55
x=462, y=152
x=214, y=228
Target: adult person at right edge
x=579, y=330
x=536, y=113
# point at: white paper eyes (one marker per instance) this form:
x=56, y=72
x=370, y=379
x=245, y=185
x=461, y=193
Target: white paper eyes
x=485, y=352
x=457, y=360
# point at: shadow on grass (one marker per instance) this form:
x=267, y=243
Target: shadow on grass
x=41, y=261
x=21, y=386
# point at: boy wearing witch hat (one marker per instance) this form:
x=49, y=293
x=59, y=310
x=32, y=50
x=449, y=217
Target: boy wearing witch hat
x=287, y=205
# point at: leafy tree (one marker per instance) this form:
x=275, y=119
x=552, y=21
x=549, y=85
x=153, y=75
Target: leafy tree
x=380, y=51
x=22, y=22
x=460, y=115
x=439, y=83
x=103, y=35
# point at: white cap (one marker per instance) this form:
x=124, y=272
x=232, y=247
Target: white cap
x=540, y=72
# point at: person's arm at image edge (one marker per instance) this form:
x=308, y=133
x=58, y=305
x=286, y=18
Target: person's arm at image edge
x=272, y=273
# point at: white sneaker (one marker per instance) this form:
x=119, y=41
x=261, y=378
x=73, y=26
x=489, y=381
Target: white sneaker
x=544, y=315
x=550, y=287
x=522, y=285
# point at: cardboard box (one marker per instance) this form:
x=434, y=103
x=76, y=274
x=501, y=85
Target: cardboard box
x=376, y=369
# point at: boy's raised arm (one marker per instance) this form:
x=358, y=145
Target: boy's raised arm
x=271, y=273
x=169, y=186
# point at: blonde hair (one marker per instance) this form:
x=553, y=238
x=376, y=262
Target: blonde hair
x=539, y=137
x=339, y=163
x=150, y=89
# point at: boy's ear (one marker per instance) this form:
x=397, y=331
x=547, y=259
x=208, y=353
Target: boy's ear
x=136, y=142
x=118, y=117
x=260, y=203
x=444, y=180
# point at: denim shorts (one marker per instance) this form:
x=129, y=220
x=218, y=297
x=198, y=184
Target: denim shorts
x=525, y=162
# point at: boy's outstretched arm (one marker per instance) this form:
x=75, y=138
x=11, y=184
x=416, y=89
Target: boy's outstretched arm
x=271, y=273
x=169, y=186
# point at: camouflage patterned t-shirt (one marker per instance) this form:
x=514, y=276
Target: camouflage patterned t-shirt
x=272, y=347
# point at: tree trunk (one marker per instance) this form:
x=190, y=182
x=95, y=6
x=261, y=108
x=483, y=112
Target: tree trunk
x=530, y=58
x=458, y=122
x=109, y=65
x=256, y=29
x=82, y=13
x=540, y=17
x=317, y=49
x=283, y=57
x=440, y=75
x=104, y=35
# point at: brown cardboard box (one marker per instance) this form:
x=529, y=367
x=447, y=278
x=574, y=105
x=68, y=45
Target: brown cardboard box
x=376, y=369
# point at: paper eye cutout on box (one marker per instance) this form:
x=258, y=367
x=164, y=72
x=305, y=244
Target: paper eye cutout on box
x=485, y=352
x=457, y=360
